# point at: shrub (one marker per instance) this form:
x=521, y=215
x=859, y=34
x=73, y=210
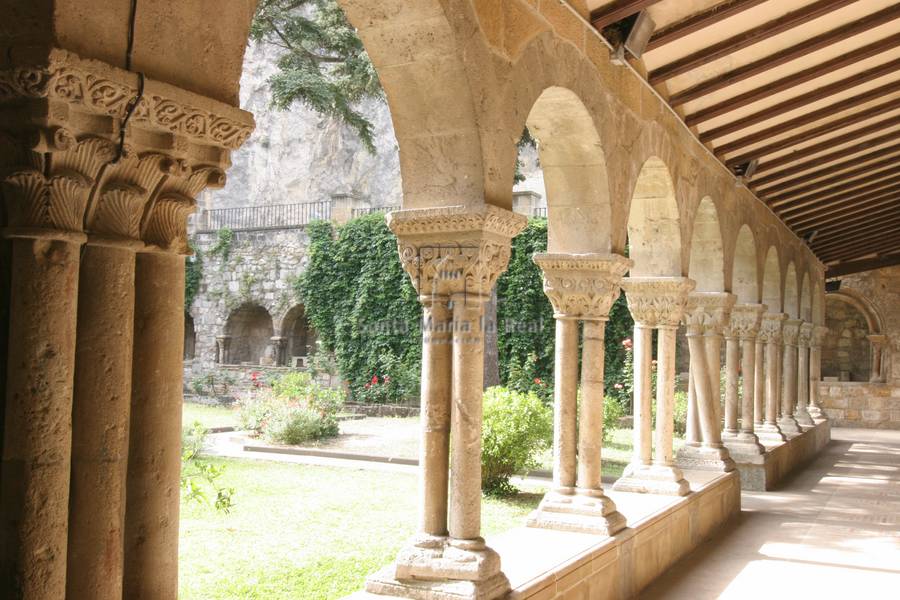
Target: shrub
x=197, y=475
x=680, y=412
x=517, y=427
x=613, y=410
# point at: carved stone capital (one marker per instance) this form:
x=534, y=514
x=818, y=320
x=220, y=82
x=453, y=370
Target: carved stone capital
x=582, y=286
x=745, y=321
x=657, y=301
x=770, y=329
x=806, y=334
x=455, y=249
x=708, y=313
x=791, y=331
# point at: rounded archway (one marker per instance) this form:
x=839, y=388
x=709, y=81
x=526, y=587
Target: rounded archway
x=654, y=234
x=744, y=278
x=250, y=330
x=846, y=350
x=771, y=295
x=299, y=337
x=707, y=263
x=575, y=177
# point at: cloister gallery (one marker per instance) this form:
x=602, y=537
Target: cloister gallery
x=703, y=135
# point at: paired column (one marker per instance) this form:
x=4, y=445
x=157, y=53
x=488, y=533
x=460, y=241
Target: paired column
x=741, y=334
x=815, y=370
x=581, y=287
x=769, y=432
x=655, y=303
x=706, y=315
x=801, y=411
x=790, y=333
x=223, y=349
x=454, y=256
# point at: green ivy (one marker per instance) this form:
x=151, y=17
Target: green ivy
x=224, y=244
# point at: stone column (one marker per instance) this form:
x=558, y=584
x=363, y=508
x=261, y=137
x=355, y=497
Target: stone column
x=759, y=383
x=453, y=252
x=788, y=423
x=801, y=411
x=743, y=328
x=770, y=334
x=706, y=315
x=223, y=349
x=815, y=371
x=692, y=435
x=879, y=343
x=279, y=345
x=580, y=287
x=654, y=302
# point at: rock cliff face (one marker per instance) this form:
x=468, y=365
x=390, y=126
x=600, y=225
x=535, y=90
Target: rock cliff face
x=298, y=156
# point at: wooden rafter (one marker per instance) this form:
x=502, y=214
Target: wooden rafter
x=805, y=136
x=856, y=187
x=745, y=39
x=864, y=245
x=858, y=266
x=764, y=64
x=868, y=213
x=701, y=20
x=860, y=233
x=800, y=101
x=824, y=159
x=823, y=185
x=888, y=203
x=617, y=11
x=797, y=214
x=862, y=250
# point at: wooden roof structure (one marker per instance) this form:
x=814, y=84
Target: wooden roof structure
x=802, y=94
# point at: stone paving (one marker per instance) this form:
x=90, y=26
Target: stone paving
x=830, y=531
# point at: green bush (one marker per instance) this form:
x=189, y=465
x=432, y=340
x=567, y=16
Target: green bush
x=517, y=427
x=680, y=412
x=613, y=410
x=294, y=410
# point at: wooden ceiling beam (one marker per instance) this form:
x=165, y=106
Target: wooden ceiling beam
x=880, y=186
x=885, y=204
x=825, y=159
x=745, y=39
x=865, y=245
x=785, y=83
x=818, y=173
x=804, y=136
x=830, y=143
x=865, y=233
x=823, y=185
x=701, y=20
x=809, y=117
x=617, y=11
x=858, y=266
x=888, y=246
x=797, y=214
x=826, y=226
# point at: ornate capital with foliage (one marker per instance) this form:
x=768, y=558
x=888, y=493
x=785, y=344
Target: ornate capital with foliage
x=770, y=329
x=806, y=334
x=707, y=313
x=66, y=171
x=455, y=249
x=582, y=286
x=657, y=301
x=791, y=331
x=745, y=321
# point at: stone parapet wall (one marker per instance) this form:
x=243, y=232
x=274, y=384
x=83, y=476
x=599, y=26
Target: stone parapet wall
x=861, y=404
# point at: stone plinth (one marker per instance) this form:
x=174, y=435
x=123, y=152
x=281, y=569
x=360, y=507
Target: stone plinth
x=781, y=458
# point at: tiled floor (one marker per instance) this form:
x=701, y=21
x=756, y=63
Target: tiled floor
x=830, y=531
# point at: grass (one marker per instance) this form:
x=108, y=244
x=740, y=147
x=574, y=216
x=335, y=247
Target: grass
x=300, y=531
x=209, y=416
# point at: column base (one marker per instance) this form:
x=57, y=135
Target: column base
x=770, y=433
x=801, y=413
x=789, y=425
x=704, y=458
x=438, y=568
x=744, y=447
x=587, y=511
x=816, y=412
x=653, y=479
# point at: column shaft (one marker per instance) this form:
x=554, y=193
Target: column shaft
x=590, y=429
x=565, y=392
x=154, y=450
x=643, y=340
x=466, y=417
x=771, y=383
x=732, y=359
x=748, y=368
x=759, y=383
x=789, y=381
x=37, y=441
x=434, y=453
x=665, y=396
x=713, y=342
x=699, y=373
x=692, y=434
x=815, y=376
x=100, y=419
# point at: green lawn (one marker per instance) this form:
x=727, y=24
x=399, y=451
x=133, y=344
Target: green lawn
x=299, y=531
x=209, y=416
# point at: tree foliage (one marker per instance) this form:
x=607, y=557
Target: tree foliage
x=323, y=64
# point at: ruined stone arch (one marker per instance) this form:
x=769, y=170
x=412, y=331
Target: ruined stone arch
x=249, y=331
x=771, y=290
x=298, y=336
x=654, y=231
x=707, y=259
x=744, y=272
x=791, y=293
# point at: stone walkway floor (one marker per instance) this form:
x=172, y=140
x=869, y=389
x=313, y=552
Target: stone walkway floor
x=830, y=531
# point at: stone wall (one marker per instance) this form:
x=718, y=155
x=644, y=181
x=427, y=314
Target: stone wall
x=845, y=349
x=861, y=404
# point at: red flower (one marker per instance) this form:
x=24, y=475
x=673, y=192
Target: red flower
x=374, y=380
x=618, y=386
x=538, y=381
x=627, y=342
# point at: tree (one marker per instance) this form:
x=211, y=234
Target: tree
x=324, y=64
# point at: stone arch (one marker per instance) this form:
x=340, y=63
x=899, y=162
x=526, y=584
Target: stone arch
x=249, y=329
x=771, y=295
x=791, y=294
x=190, y=337
x=654, y=234
x=707, y=262
x=744, y=277
x=298, y=336
x=806, y=300
x=578, y=202
x=861, y=304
